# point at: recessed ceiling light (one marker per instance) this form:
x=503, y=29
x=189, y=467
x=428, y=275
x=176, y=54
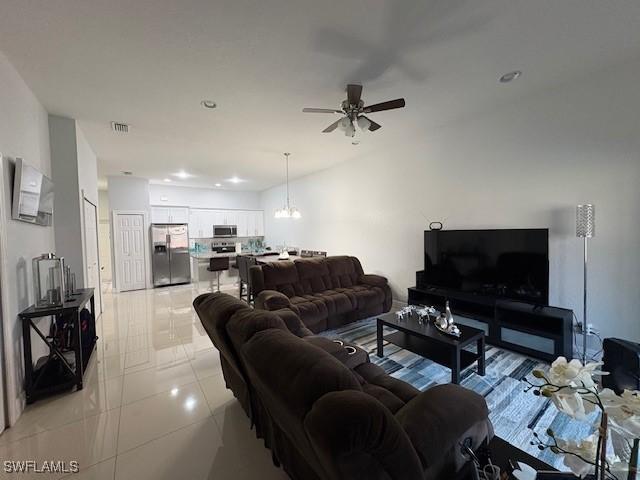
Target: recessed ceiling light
x=218, y=184
x=167, y=180
x=182, y=174
x=510, y=77
x=235, y=180
x=127, y=172
x=208, y=104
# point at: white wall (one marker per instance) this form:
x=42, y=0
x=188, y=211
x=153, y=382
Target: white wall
x=75, y=174
x=131, y=194
x=203, y=197
x=523, y=165
x=23, y=133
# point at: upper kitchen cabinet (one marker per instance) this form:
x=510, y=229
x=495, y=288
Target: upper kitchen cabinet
x=225, y=217
x=255, y=223
x=169, y=215
x=201, y=223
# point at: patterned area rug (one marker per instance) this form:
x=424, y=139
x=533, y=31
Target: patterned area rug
x=515, y=414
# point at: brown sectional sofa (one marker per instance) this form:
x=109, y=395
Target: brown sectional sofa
x=324, y=292
x=325, y=411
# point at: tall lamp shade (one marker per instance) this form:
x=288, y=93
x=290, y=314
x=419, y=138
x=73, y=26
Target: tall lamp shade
x=585, y=229
x=586, y=221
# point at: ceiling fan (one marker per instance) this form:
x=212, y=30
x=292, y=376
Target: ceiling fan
x=353, y=109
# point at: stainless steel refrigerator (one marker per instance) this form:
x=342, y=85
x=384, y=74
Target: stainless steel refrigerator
x=171, y=261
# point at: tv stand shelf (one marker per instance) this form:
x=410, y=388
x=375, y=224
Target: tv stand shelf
x=539, y=331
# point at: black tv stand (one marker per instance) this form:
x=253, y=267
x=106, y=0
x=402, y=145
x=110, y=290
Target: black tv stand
x=539, y=331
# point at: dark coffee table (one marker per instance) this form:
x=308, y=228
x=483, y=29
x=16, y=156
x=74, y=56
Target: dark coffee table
x=426, y=340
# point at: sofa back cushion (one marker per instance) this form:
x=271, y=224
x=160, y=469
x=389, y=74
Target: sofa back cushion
x=292, y=372
x=314, y=275
x=282, y=276
x=344, y=271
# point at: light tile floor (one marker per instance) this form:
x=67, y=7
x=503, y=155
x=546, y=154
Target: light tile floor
x=154, y=405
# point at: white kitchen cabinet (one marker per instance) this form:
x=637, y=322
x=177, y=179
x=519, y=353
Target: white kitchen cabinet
x=255, y=223
x=242, y=222
x=201, y=223
x=169, y=214
x=159, y=214
x=178, y=214
x=225, y=217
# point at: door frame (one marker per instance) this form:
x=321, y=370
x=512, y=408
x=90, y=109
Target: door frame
x=84, y=236
x=115, y=270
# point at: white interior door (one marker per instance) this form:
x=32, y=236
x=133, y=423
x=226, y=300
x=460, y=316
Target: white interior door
x=104, y=247
x=129, y=254
x=92, y=255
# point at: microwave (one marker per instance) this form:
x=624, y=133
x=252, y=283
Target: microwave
x=225, y=231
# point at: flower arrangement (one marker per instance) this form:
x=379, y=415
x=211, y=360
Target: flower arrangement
x=572, y=388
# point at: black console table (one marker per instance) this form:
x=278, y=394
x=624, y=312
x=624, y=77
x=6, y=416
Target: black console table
x=65, y=364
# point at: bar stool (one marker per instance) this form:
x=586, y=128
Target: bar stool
x=217, y=265
x=245, y=262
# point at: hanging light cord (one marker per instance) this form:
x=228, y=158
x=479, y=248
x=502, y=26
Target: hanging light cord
x=287, y=155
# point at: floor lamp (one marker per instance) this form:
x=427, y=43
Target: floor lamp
x=585, y=229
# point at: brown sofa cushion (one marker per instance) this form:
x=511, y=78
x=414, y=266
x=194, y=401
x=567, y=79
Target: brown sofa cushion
x=282, y=276
x=356, y=437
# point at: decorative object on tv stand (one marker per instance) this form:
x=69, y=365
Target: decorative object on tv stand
x=288, y=211
x=48, y=280
x=573, y=389
x=585, y=229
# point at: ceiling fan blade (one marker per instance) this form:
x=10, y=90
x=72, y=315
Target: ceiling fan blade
x=321, y=110
x=332, y=127
x=373, y=125
x=390, y=105
x=353, y=93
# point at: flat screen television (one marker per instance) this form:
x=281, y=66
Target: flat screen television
x=509, y=263
x=32, y=195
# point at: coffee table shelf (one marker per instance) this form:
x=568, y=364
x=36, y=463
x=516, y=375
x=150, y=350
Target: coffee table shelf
x=433, y=350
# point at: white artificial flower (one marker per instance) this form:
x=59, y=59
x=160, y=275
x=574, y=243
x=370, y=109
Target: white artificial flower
x=586, y=449
x=571, y=403
x=573, y=373
x=623, y=411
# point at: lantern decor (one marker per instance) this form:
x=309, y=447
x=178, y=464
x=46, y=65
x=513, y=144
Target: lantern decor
x=48, y=280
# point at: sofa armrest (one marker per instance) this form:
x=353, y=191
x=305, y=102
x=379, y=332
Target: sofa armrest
x=373, y=280
x=272, y=300
x=439, y=419
x=355, y=436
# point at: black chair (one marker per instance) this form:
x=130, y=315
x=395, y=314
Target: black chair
x=217, y=265
x=622, y=360
x=244, y=263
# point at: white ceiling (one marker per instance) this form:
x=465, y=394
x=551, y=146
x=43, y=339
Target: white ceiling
x=150, y=63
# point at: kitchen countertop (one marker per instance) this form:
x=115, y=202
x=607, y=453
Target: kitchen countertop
x=208, y=255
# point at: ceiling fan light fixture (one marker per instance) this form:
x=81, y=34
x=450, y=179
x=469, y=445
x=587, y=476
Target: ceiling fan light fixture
x=350, y=131
x=364, y=123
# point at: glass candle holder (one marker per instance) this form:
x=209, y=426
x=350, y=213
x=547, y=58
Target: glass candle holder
x=48, y=280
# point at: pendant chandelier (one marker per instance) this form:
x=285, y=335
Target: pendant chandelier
x=287, y=211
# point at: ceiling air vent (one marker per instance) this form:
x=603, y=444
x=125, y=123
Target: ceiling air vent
x=119, y=127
